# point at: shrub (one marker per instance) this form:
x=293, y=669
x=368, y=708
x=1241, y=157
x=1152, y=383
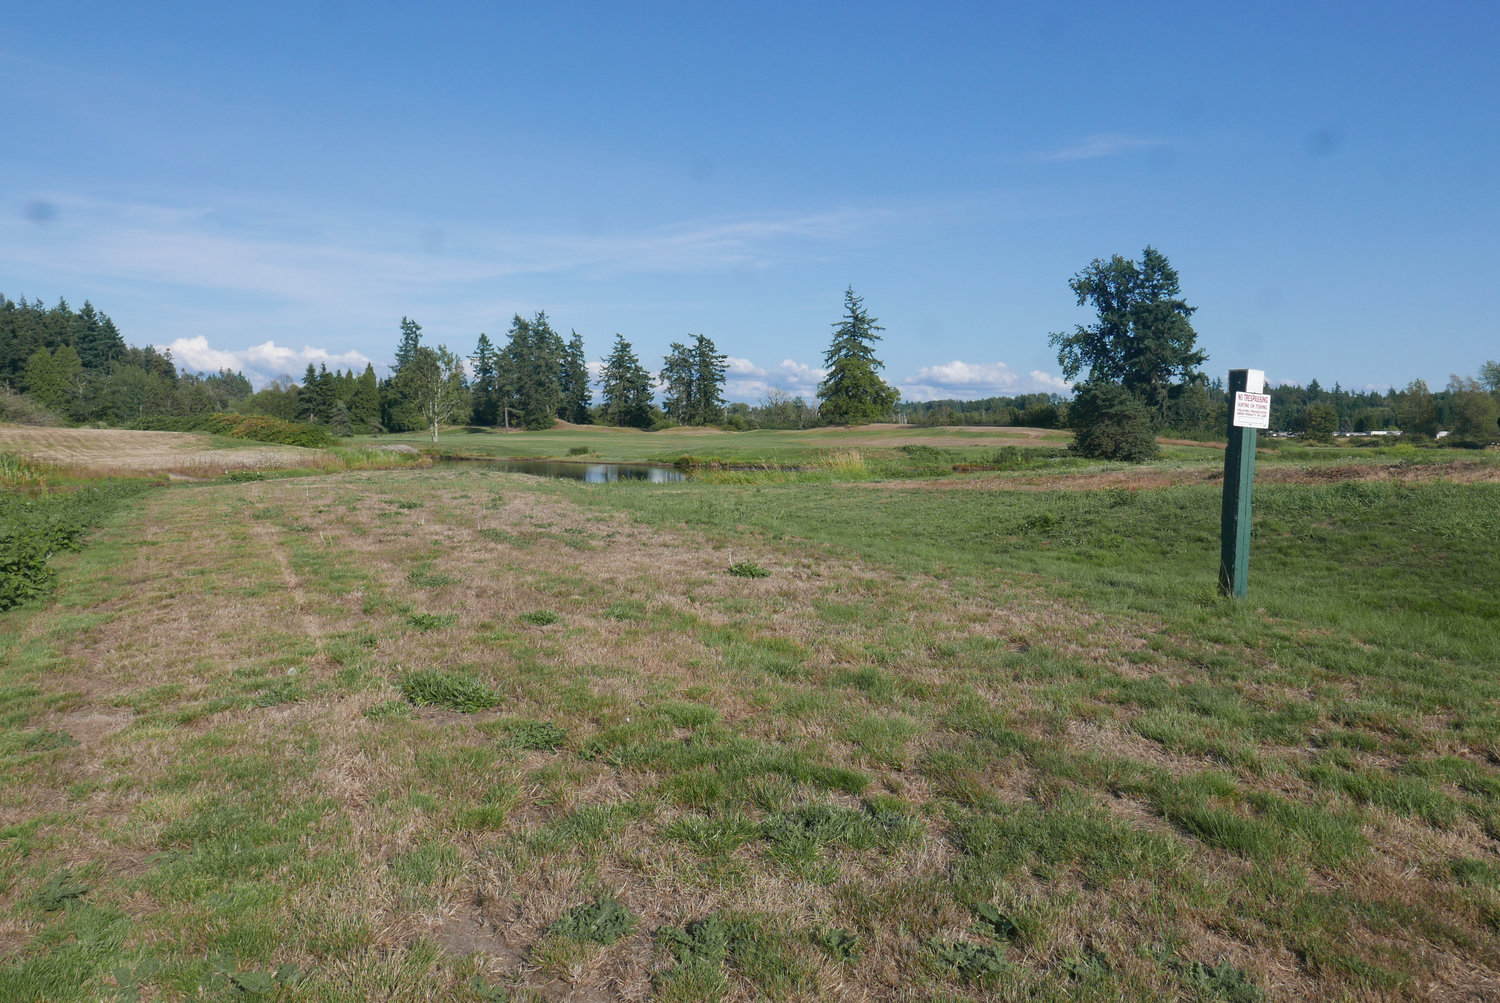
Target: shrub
x=256, y=427
x=17, y=409
x=1110, y=424
x=33, y=528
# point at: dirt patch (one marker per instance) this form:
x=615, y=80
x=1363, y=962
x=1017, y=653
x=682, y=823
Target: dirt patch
x=91, y=726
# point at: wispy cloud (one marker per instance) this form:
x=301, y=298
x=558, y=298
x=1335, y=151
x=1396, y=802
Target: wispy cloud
x=285, y=254
x=1097, y=146
x=959, y=380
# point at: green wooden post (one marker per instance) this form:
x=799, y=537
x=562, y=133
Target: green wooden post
x=1239, y=473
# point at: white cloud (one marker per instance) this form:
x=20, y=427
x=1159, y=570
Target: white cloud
x=1099, y=145
x=745, y=381
x=959, y=380
x=260, y=363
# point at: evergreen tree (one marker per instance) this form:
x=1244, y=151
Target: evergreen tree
x=364, y=402
x=1111, y=423
x=627, y=388
x=398, y=408
x=485, y=387
x=678, y=379
x=95, y=339
x=577, y=395
x=44, y=382
x=709, y=368
x=530, y=368
x=852, y=392
x=411, y=340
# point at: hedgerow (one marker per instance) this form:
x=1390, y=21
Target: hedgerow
x=257, y=427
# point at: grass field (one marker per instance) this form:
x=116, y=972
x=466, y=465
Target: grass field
x=461, y=734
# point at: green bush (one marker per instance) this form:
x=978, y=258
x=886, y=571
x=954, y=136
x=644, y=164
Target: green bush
x=256, y=427
x=34, y=527
x=1110, y=424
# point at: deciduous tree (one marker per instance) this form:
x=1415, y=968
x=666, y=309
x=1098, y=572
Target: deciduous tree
x=1142, y=339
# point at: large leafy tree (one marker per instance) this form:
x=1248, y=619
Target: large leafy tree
x=1142, y=339
x=434, y=378
x=627, y=388
x=852, y=392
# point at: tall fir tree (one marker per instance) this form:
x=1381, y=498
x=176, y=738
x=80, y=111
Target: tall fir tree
x=852, y=392
x=577, y=395
x=530, y=365
x=709, y=369
x=678, y=378
x=485, y=387
x=626, y=397
x=398, y=408
x=364, y=402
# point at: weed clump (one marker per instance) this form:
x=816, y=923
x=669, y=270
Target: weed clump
x=457, y=690
x=602, y=921
x=969, y=961
x=748, y=569
x=837, y=943
x=59, y=890
x=429, y=579
x=1222, y=981
x=542, y=735
x=540, y=617
x=432, y=621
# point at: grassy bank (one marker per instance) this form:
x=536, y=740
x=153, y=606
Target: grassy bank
x=465, y=735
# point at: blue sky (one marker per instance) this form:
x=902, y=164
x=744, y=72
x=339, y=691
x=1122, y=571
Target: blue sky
x=263, y=184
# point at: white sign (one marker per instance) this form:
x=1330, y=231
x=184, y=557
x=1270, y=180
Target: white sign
x=1251, y=410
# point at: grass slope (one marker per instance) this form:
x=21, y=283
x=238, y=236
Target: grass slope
x=467, y=735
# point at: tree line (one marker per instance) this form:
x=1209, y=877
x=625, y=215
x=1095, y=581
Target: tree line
x=536, y=379
x=1140, y=361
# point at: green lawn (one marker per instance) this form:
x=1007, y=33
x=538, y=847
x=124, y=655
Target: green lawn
x=461, y=734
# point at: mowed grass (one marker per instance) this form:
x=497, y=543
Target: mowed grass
x=754, y=448
x=466, y=735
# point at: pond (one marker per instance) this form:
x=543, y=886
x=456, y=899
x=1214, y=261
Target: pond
x=593, y=473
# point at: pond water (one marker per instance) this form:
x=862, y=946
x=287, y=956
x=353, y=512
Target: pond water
x=593, y=473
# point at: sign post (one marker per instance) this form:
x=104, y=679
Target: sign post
x=1249, y=409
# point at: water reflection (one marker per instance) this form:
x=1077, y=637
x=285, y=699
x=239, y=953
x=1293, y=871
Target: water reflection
x=594, y=473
